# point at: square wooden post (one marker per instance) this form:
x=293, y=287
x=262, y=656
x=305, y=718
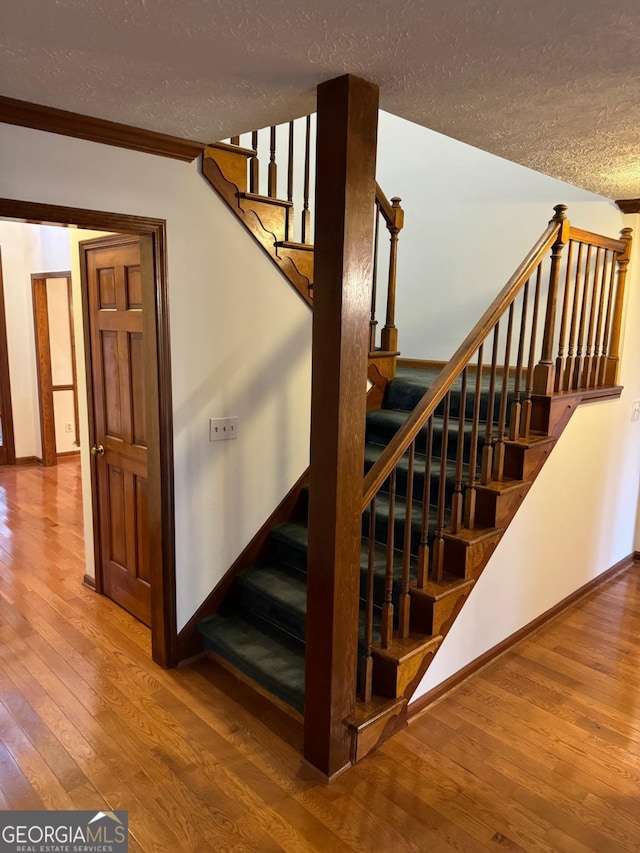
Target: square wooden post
x=345, y=196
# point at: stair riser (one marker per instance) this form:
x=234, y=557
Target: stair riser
x=523, y=463
x=402, y=480
x=467, y=560
x=497, y=510
x=436, y=617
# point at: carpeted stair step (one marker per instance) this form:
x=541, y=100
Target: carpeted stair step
x=383, y=424
x=405, y=391
x=273, y=659
x=291, y=542
x=277, y=595
x=372, y=453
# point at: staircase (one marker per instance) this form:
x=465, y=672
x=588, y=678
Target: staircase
x=450, y=452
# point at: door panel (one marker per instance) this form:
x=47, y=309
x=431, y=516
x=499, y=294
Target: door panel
x=116, y=327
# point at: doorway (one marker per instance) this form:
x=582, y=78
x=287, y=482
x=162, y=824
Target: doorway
x=7, y=444
x=157, y=525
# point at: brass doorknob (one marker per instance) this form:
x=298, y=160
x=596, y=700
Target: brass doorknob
x=97, y=450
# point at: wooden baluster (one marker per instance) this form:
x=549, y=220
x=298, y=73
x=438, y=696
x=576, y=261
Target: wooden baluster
x=306, y=214
x=423, y=550
x=290, y=224
x=272, y=176
x=438, y=540
x=516, y=407
x=587, y=364
x=499, y=448
x=567, y=380
x=456, y=501
x=611, y=373
x=607, y=321
x=366, y=666
x=404, y=616
x=592, y=379
x=543, y=378
x=577, y=370
x=470, y=496
x=374, y=282
x=560, y=360
x=487, y=450
x=387, y=607
x=235, y=140
x=254, y=167
x=527, y=405
x=389, y=332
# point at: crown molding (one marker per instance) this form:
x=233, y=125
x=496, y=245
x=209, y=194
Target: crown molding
x=629, y=205
x=52, y=120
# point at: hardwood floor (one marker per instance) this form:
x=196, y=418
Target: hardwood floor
x=539, y=752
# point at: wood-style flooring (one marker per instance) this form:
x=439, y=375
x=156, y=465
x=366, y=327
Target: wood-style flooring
x=539, y=752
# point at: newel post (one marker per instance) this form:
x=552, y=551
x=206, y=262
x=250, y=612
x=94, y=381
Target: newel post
x=345, y=195
x=613, y=358
x=544, y=373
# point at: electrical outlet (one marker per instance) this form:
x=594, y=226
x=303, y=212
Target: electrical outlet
x=68, y=427
x=223, y=429
x=635, y=410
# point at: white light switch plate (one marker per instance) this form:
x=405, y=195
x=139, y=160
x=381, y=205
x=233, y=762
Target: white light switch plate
x=223, y=429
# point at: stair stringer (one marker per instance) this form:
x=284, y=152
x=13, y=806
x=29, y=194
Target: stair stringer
x=230, y=193
x=551, y=416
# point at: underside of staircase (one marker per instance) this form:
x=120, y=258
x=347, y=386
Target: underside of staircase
x=450, y=451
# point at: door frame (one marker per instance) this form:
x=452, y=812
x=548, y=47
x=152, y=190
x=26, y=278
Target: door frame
x=157, y=357
x=8, y=442
x=46, y=388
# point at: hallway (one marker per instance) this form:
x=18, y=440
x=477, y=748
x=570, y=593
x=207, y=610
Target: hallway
x=540, y=751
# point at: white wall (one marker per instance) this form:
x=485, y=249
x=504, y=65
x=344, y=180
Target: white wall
x=240, y=340
x=470, y=219
x=26, y=249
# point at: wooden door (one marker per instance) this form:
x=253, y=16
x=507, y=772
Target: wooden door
x=119, y=421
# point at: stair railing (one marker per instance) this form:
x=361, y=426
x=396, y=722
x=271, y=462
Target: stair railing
x=288, y=148
x=509, y=356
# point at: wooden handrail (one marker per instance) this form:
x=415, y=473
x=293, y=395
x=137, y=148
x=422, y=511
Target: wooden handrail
x=432, y=398
x=386, y=208
x=597, y=240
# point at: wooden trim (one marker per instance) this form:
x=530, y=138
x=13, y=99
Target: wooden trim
x=87, y=580
x=161, y=502
x=28, y=460
x=8, y=454
x=53, y=120
x=189, y=641
x=43, y=366
x=430, y=364
x=66, y=454
x=74, y=366
x=428, y=699
x=345, y=194
x=58, y=274
x=629, y=205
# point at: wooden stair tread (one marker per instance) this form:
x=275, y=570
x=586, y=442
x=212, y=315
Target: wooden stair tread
x=435, y=590
x=290, y=244
x=234, y=149
x=367, y=713
x=265, y=199
x=502, y=487
x=402, y=649
x=474, y=535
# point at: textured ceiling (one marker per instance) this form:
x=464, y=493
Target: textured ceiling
x=552, y=85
